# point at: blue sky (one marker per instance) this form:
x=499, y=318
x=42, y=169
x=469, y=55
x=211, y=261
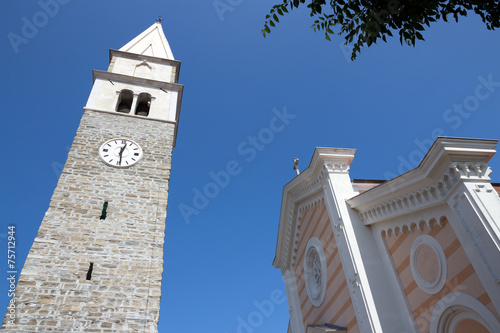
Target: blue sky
x=389, y=104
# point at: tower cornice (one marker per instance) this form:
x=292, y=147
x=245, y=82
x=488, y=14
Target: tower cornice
x=128, y=55
x=135, y=80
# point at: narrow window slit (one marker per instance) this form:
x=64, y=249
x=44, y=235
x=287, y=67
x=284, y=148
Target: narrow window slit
x=104, y=208
x=89, y=272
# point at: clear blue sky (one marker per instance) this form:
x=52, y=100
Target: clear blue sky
x=387, y=104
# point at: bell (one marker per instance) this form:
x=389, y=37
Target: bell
x=142, y=109
x=124, y=107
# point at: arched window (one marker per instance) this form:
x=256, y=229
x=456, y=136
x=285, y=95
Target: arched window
x=125, y=101
x=143, y=104
x=458, y=313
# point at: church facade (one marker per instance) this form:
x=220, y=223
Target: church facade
x=96, y=263
x=417, y=253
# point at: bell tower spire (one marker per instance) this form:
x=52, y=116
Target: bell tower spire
x=141, y=80
x=97, y=261
x=152, y=42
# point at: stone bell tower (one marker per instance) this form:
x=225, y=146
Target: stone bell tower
x=96, y=264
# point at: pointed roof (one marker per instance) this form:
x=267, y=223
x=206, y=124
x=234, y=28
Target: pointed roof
x=151, y=42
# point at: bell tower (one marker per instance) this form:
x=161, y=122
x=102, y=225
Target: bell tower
x=96, y=263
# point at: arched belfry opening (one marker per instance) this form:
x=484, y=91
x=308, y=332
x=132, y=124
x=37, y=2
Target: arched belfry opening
x=125, y=101
x=143, y=104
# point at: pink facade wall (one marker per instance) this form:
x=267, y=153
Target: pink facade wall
x=337, y=306
x=461, y=276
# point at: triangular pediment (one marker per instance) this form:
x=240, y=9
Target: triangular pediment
x=151, y=42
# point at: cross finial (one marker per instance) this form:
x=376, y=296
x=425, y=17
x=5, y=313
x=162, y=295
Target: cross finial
x=159, y=19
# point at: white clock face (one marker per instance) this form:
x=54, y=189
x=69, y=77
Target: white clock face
x=120, y=153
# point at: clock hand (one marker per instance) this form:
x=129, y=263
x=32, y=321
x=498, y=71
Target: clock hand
x=121, y=153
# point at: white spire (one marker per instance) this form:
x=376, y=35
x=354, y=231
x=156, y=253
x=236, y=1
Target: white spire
x=151, y=42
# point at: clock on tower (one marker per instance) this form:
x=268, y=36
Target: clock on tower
x=96, y=263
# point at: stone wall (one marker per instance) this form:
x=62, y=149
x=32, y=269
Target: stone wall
x=126, y=249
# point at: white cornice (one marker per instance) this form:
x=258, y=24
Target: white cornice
x=136, y=80
x=122, y=54
x=449, y=161
x=172, y=62
x=299, y=190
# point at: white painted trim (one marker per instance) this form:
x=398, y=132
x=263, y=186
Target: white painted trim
x=454, y=307
x=336, y=188
x=462, y=229
x=402, y=303
x=130, y=115
x=293, y=301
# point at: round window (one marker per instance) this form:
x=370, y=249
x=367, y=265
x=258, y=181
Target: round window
x=315, y=271
x=428, y=264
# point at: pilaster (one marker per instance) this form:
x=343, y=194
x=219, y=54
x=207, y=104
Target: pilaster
x=293, y=301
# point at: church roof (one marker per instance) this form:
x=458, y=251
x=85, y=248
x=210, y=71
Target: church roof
x=151, y=42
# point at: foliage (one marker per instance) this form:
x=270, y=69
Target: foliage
x=367, y=21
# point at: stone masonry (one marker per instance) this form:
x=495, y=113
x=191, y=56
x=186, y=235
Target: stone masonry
x=126, y=248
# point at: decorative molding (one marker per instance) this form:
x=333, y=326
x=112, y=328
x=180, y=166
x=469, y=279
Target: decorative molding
x=288, y=234
x=302, y=209
x=303, y=193
x=315, y=271
x=435, y=286
x=455, y=307
x=472, y=170
x=426, y=196
x=338, y=167
x=309, y=188
x=463, y=204
x=411, y=226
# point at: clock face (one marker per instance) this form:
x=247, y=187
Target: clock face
x=120, y=153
